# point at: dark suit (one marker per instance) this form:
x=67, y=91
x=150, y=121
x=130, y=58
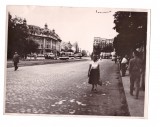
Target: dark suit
x=135, y=66
x=16, y=61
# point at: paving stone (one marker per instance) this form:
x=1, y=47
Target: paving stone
x=50, y=89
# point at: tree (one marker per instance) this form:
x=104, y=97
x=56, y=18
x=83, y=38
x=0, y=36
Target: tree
x=75, y=45
x=84, y=53
x=96, y=50
x=10, y=36
x=31, y=46
x=69, y=46
x=18, y=34
x=66, y=47
x=132, y=29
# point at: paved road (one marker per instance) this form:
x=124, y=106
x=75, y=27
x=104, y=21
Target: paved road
x=63, y=89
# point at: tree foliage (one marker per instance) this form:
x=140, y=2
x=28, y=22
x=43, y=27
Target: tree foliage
x=75, y=45
x=97, y=50
x=66, y=47
x=18, y=37
x=84, y=53
x=132, y=29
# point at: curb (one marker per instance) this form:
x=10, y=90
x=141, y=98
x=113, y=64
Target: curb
x=138, y=110
x=32, y=63
x=124, y=106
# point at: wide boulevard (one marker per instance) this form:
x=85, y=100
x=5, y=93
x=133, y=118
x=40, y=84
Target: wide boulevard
x=63, y=88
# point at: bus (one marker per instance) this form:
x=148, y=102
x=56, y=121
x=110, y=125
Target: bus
x=66, y=55
x=105, y=55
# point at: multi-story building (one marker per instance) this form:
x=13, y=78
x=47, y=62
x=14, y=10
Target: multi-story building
x=102, y=44
x=48, y=40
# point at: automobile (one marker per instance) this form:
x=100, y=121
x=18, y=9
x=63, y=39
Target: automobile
x=64, y=56
x=105, y=55
x=40, y=55
x=30, y=56
x=50, y=56
x=71, y=55
x=78, y=55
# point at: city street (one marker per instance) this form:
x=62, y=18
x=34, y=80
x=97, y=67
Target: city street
x=63, y=88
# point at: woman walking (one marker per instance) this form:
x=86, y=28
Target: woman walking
x=94, y=73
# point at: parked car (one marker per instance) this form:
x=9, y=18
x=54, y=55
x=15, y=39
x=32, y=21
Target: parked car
x=78, y=55
x=40, y=55
x=64, y=56
x=71, y=55
x=50, y=56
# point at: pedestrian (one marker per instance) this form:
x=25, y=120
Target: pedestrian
x=115, y=58
x=35, y=56
x=94, y=73
x=142, y=86
x=16, y=60
x=135, y=68
x=124, y=65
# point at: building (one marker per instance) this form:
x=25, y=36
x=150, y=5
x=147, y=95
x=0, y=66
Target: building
x=102, y=44
x=48, y=40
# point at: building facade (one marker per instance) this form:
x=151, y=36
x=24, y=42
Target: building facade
x=102, y=45
x=102, y=42
x=48, y=40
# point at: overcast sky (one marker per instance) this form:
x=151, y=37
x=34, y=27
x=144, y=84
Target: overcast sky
x=71, y=24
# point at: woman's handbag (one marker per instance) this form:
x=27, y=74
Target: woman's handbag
x=100, y=82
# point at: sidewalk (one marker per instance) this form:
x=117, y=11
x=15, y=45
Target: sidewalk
x=136, y=106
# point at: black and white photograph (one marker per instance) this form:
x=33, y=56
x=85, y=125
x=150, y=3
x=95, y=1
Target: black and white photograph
x=76, y=61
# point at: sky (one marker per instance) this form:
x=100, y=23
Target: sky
x=71, y=24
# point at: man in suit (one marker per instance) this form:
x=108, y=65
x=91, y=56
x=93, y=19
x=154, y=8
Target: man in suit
x=16, y=60
x=135, y=69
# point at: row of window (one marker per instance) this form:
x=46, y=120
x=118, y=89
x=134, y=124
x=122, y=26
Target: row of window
x=49, y=46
